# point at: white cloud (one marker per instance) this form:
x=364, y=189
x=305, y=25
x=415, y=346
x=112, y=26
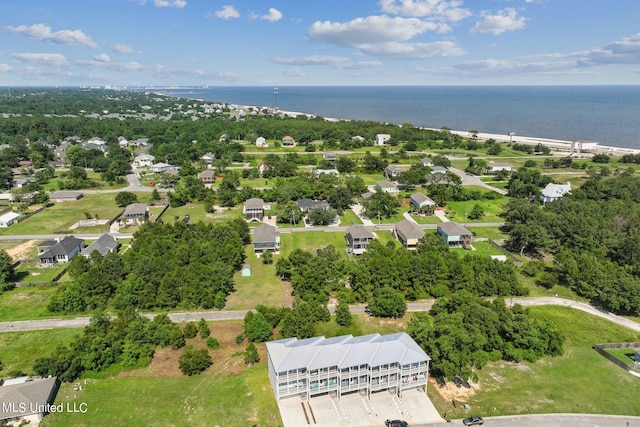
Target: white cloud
x=103, y=57
x=99, y=62
x=43, y=32
x=292, y=72
x=369, y=30
x=123, y=48
x=505, y=20
x=273, y=15
x=385, y=36
x=625, y=51
x=54, y=59
x=440, y=9
x=5, y=68
x=163, y=3
x=227, y=12
x=311, y=60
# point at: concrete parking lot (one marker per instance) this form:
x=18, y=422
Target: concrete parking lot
x=356, y=410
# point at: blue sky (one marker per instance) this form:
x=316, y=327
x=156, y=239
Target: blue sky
x=327, y=42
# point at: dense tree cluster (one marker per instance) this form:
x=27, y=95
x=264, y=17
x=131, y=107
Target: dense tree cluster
x=463, y=332
x=129, y=339
x=169, y=265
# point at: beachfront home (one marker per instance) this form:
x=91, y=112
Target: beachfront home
x=358, y=238
x=382, y=138
x=345, y=364
x=554, y=191
x=454, y=234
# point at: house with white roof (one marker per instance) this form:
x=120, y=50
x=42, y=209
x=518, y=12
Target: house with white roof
x=8, y=218
x=382, y=138
x=554, y=191
x=144, y=160
x=346, y=364
x=261, y=142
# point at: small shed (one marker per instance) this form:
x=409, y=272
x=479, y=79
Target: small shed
x=246, y=270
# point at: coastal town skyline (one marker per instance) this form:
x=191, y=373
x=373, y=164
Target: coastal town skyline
x=385, y=42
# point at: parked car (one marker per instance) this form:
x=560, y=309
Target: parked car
x=473, y=421
x=396, y=423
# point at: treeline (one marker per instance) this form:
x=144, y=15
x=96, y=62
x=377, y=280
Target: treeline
x=168, y=266
x=129, y=340
x=464, y=332
x=594, y=234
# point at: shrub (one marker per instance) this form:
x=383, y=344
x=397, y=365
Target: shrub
x=213, y=343
x=194, y=361
x=190, y=330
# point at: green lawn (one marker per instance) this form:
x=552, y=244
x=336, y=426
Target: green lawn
x=33, y=273
x=349, y=217
x=485, y=249
x=493, y=233
x=492, y=208
x=61, y=216
x=579, y=381
x=27, y=303
x=262, y=287
x=19, y=350
x=310, y=241
x=201, y=400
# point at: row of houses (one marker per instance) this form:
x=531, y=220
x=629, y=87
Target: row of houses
x=60, y=251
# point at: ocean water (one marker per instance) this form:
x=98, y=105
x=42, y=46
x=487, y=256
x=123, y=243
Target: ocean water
x=607, y=114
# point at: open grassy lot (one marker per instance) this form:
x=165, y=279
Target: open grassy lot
x=27, y=303
x=493, y=233
x=33, y=273
x=578, y=381
x=19, y=350
x=61, y=216
x=349, y=217
x=262, y=287
x=492, y=208
x=485, y=249
x=310, y=241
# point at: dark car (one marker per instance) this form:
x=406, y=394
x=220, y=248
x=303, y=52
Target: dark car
x=396, y=423
x=473, y=421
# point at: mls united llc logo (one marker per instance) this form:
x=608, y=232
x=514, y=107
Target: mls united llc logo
x=34, y=408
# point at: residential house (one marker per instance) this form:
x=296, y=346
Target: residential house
x=20, y=181
x=25, y=163
x=105, y=244
x=366, y=196
x=208, y=158
x=454, y=234
x=136, y=214
x=408, y=233
x=59, y=251
x=392, y=172
x=208, y=177
x=382, y=138
x=8, y=219
x=438, y=169
x=65, y=196
x=96, y=144
x=493, y=167
x=27, y=398
x=261, y=142
x=160, y=167
x=266, y=237
x=421, y=203
x=253, y=209
x=358, y=238
x=358, y=138
x=123, y=142
x=144, y=160
x=330, y=156
x=305, y=205
x=425, y=161
x=60, y=152
x=554, y=191
x=141, y=142
x=387, y=187
x=288, y=141
x=318, y=172
x=345, y=364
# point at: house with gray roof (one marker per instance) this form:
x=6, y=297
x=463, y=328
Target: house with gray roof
x=207, y=177
x=253, y=209
x=554, y=191
x=358, y=238
x=266, y=237
x=136, y=213
x=392, y=172
x=60, y=251
x=422, y=203
x=65, y=196
x=305, y=205
x=25, y=398
x=330, y=156
x=105, y=244
x=408, y=233
x=144, y=160
x=426, y=161
x=454, y=234
x=493, y=167
x=346, y=364
x=387, y=187
x=438, y=169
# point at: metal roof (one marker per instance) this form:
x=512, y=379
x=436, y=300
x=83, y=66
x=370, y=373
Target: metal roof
x=105, y=244
x=345, y=351
x=409, y=229
x=453, y=229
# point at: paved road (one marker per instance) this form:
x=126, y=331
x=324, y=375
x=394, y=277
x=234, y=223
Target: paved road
x=468, y=179
x=32, y=325
x=551, y=420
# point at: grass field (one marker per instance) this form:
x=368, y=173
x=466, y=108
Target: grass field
x=311, y=241
x=578, y=381
x=349, y=217
x=61, y=216
x=19, y=350
x=33, y=273
x=27, y=303
x=492, y=208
